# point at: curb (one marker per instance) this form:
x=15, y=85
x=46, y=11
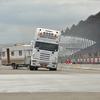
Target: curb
x=85, y=68
x=76, y=67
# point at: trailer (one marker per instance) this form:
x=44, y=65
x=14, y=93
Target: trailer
x=16, y=56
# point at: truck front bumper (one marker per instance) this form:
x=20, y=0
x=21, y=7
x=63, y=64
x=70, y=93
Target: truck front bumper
x=45, y=65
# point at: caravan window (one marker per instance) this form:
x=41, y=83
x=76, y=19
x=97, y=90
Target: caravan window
x=12, y=53
x=3, y=54
x=20, y=52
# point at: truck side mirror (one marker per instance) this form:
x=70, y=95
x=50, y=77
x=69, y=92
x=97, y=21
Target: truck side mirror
x=60, y=48
x=31, y=43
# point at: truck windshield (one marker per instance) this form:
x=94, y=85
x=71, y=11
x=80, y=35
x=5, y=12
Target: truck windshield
x=46, y=46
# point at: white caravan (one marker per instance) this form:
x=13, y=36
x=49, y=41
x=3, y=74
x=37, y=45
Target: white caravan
x=46, y=46
x=16, y=56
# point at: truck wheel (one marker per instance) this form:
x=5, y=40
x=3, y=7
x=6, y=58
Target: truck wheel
x=50, y=69
x=16, y=67
x=36, y=68
x=53, y=69
x=31, y=68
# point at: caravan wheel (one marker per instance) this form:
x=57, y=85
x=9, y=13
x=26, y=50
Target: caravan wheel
x=13, y=65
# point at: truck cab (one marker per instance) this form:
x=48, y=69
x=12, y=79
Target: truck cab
x=46, y=46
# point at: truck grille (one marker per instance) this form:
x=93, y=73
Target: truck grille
x=44, y=56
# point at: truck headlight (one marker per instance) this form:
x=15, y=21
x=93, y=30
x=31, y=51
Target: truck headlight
x=34, y=61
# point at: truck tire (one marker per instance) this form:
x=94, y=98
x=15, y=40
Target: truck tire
x=16, y=67
x=36, y=68
x=31, y=68
x=53, y=69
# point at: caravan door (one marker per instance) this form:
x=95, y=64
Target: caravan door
x=8, y=56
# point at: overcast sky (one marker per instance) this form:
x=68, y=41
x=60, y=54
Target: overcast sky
x=20, y=18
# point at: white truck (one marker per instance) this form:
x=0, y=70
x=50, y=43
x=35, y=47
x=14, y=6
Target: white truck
x=46, y=46
x=17, y=56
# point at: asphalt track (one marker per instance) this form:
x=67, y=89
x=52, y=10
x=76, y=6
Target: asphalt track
x=63, y=84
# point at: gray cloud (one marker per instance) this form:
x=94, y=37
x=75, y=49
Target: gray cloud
x=20, y=18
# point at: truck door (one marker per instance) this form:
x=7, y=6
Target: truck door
x=8, y=56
